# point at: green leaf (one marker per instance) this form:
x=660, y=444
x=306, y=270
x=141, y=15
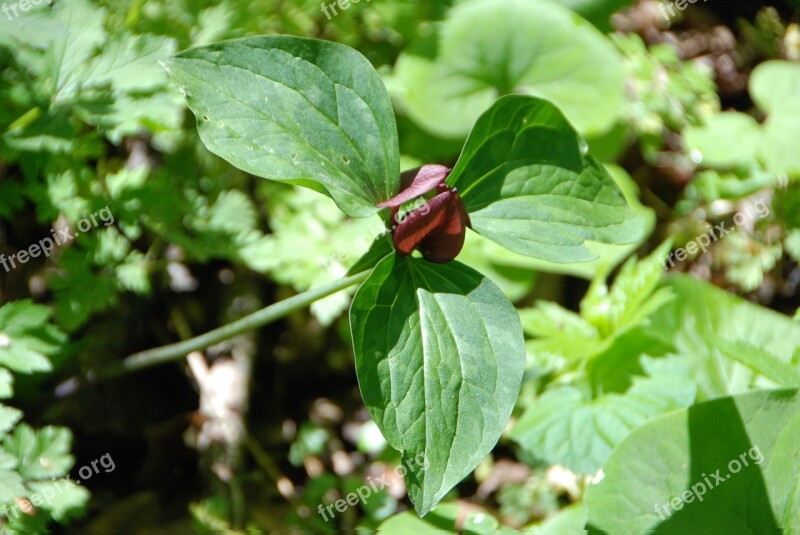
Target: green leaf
x=26, y=337
x=67, y=32
x=551, y=319
x=129, y=63
x=568, y=521
x=439, y=357
x=774, y=86
x=308, y=251
x=442, y=519
x=727, y=140
x=380, y=249
x=598, y=12
x=564, y=427
x=686, y=472
x=514, y=272
x=527, y=185
x=10, y=484
x=302, y=111
x=42, y=453
x=8, y=419
x=488, y=48
x=763, y=362
x=733, y=138
x=632, y=297
x=701, y=314
x=62, y=498
x=6, y=384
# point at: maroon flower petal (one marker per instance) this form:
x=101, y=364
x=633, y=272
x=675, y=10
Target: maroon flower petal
x=447, y=239
x=418, y=224
x=426, y=178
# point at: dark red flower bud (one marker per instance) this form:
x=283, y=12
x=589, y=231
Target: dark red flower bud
x=438, y=228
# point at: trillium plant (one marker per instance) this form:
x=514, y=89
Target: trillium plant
x=439, y=349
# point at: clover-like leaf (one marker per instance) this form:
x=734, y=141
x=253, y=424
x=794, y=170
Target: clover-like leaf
x=528, y=185
x=439, y=357
x=301, y=111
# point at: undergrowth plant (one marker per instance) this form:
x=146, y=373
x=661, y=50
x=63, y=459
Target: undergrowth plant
x=439, y=349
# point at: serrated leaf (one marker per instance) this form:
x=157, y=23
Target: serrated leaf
x=133, y=273
x=302, y=111
x=63, y=499
x=67, y=32
x=8, y=419
x=307, y=251
x=439, y=357
x=757, y=359
x=26, y=337
x=6, y=384
x=564, y=427
x=701, y=313
x=79, y=290
x=632, y=297
x=488, y=48
x=686, y=472
x=527, y=185
x=551, y=319
x=10, y=486
x=129, y=63
x=42, y=453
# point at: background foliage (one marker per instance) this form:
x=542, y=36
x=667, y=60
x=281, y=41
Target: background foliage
x=696, y=117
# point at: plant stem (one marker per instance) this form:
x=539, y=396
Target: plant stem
x=273, y=312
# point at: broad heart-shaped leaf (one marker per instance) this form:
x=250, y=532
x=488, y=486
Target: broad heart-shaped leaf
x=439, y=357
x=302, y=111
x=488, y=48
x=686, y=472
x=528, y=185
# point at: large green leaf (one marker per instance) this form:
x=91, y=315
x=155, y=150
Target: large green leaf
x=439, y=357
x=528, y=185
x=686, y=472
x=498, y=263
x=302, y=111
x=704, y=323
x=488, y=48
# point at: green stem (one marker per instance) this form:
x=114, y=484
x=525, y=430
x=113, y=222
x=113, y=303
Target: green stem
x=275, y=311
